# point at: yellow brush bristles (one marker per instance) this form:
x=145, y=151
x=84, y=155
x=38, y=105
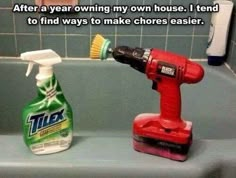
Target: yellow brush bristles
x=96, y=47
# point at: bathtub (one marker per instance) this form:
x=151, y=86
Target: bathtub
x=105, y=97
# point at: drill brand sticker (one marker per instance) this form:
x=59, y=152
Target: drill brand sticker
x=166, y=69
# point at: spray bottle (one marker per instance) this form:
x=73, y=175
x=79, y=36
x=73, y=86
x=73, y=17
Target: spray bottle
x=48, y=119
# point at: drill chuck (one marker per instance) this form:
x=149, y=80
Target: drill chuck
x=135, y=57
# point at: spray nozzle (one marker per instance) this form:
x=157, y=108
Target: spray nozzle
x=45, y=58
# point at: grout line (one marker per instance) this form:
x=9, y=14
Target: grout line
x=232, y=49
x=167, y=29
x=141, y=31
x=85, y=59
x=116, y=27
x=66, y=42
x=7, y=8
x=14, y=28
x=40, y=34
x=192, y=42
x=74, y=34
x=90, y=26
x=8, y=58
x=230, y=55
x=199, y=60
x=228, y=66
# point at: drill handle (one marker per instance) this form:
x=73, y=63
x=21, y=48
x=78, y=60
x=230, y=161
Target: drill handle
x=170, y=105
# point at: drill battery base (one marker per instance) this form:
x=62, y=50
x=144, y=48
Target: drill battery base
x=149, y=136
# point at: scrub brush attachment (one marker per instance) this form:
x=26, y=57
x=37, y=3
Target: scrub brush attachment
x=100, y=48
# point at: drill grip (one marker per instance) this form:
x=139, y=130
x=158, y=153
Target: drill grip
x=170, y=105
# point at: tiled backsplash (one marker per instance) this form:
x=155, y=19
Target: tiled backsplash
x=70, y=41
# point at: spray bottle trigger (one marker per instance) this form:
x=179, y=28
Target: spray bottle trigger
x=29, y=69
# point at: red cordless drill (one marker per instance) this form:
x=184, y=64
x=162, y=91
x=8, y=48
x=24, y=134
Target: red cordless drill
x=165, y=134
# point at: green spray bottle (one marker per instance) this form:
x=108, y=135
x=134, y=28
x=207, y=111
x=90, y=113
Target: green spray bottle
x=48, y=119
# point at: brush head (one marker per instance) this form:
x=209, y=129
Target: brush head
x=99, y=48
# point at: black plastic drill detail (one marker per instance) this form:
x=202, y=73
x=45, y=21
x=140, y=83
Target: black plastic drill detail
x=132, y=56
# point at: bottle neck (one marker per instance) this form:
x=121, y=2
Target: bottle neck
x=45, y=72
x=49, y=88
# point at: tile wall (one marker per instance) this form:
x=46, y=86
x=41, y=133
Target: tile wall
x=74, y=42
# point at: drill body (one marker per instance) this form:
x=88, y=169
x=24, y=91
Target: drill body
x=165, y=134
